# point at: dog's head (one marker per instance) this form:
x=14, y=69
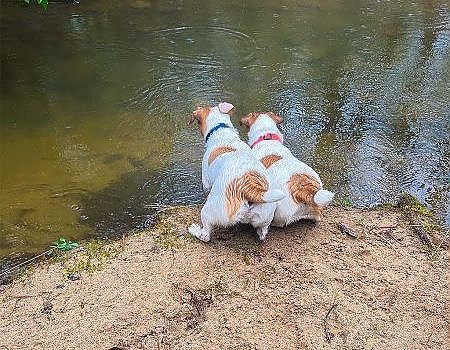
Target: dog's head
x=202, y=115
x=260, y=124
x=250, y=119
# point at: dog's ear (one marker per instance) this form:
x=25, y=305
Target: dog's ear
x=195, y=116
x=249, y=119
x=276, y=118
x=200, y=115
x=225, y=107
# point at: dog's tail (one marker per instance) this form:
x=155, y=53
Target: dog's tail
x=323, y=197
x=255, y=189
x=307, y=189
x=251, y=187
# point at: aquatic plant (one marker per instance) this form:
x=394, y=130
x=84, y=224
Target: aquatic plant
x=43, y=3
x=63, y=245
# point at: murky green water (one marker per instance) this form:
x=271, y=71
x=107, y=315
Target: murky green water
x=95, y=99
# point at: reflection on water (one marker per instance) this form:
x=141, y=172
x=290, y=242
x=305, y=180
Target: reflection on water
x=95, y=99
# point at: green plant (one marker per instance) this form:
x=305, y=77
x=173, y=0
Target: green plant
x=63, y=245
x=167, y=237
x=43, y=3
x=434, y=253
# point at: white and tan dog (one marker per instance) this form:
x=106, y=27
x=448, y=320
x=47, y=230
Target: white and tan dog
x=239, y=186
x=305, y=196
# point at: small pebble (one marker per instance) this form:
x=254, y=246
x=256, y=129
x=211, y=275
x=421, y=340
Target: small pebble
x=74, y=276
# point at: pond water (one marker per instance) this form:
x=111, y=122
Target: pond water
x=95, y=100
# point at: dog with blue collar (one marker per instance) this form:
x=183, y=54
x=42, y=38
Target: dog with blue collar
x=238, y=186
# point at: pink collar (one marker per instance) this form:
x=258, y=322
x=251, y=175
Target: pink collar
x=268, y=136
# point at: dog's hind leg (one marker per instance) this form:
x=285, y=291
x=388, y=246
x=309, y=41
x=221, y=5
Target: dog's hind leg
x=262, y=215
x=262, y=232
x=203, y=234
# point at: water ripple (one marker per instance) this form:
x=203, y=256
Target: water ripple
x=202, y=46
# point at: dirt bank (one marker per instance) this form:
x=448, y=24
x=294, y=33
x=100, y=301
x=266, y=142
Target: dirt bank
x=307, y=287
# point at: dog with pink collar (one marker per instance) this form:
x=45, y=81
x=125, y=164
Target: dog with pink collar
x=305, y=196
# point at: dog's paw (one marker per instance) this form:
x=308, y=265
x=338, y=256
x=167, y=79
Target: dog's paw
x=262, y=233
x=196, y=231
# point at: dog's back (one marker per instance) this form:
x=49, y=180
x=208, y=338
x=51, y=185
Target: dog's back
x=238, y=178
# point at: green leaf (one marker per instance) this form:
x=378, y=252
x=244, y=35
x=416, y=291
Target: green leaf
x=63, y=245
x=43, y=3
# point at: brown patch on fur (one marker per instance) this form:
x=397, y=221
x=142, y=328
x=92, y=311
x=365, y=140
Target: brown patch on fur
x=219, y=151
x=275, y=117
x=250, y=187
x=270, y=159
x=250, y=118
x=302, y=188
x=200, y=114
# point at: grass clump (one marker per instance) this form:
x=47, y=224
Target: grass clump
x=418, y=214
x=94, y=255
x=423, y=223
x=344, y=202
x=168, y=241
x=168, y=236
x=433, y=252
x=412, y=204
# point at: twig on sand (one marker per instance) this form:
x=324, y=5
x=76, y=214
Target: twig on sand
x=16, y=303
x=328, y=334
x=347, y=230
x=420, y=231
x=414, y=213
x=7, y=271
x=389, y=244
x=123, y=243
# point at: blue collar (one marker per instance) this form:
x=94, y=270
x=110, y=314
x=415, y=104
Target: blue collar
x=217, y=127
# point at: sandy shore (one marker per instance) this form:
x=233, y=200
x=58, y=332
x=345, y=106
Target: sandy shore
x=308, y=286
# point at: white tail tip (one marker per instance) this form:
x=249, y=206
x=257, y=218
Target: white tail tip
x=323, y=197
